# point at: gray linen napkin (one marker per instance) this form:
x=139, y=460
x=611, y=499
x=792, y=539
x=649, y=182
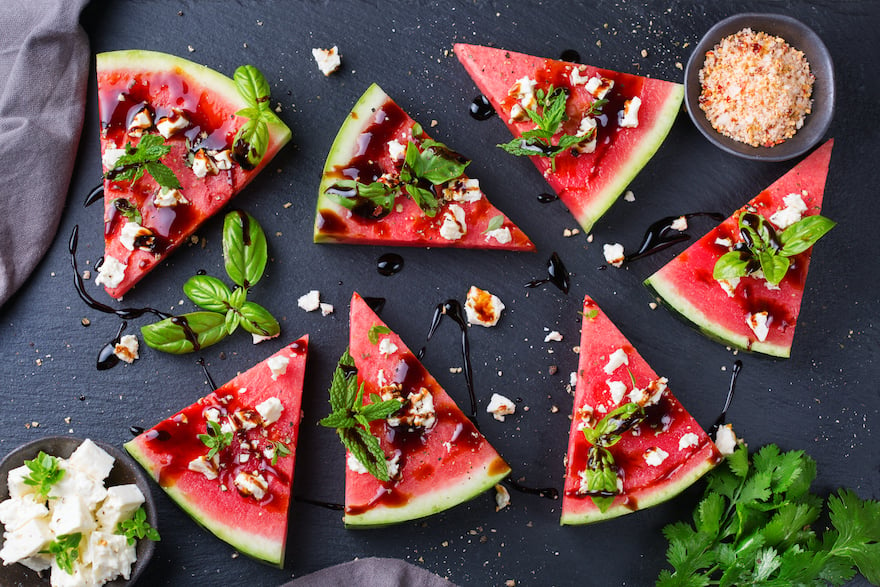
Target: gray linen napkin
x=371, y=572
x=44, y=64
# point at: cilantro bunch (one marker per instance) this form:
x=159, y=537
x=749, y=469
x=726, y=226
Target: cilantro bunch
x=763, y=248
x=752, y=527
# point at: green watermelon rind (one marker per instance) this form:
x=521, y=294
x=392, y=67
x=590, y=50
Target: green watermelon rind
x=356, y=122
x=671, y=297
x=216, y=82
x=252, y=545
x=428, y=504
x=637, y=161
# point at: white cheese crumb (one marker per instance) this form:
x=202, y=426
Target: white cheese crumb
x=310, y=301
x=729, y=285
x=725, y=440
x=759, y=322
x=453, y=227
x=615, y=360
x=723, y=242
x=553, y=336
x=127, y=348
x=203, y=165
x=463, y=190
x=680, y=224
x=576, y=76
x=629, y=116
x=354, y=464
x=655, y=456
x=650, y=395
x=110, y=157
x=502, y=497
x=167, y=197
x=482, y=307
x=258, y=338
x=111, y=272
x=130, y=232
x=599, y=86
x=500, y=406
x=617, y=390
x=502, y=235
x=251, y=484
x=328, y=60
x=270, y=410
x=202, y=465
x=523, y=90
x=614, y=254
x=277, y=365
x=169, y=125
x=387, y=346
x=418, y=409
x=394, y=465
x=222, y=159
x=629, y=196
x=688, y=440
x=396, y=150
x=326, y=309
x=793, y=211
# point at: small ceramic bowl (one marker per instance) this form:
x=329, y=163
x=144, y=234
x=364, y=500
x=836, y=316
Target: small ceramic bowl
x=798, y=36
x=124, y=471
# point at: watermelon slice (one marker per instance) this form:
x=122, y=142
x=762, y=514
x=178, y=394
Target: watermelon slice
x=588, y=182
x=442, y=459
x=657, y=458
x=728, y=311
x=242, y=494
x=371, y=146
x=144, y=93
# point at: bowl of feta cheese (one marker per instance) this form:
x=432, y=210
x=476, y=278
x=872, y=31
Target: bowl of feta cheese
x=761, y=86
x=74, y=512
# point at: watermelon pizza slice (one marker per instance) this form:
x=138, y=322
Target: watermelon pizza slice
x=178, y=140
x=435, y=458
x=589, y=131
x=387, y=182
x=228, y=459
x=631, y=445
x=749, y=295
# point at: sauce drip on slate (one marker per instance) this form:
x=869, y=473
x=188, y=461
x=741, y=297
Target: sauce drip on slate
x=570, y=55
x=481, y=108
x=135, y=430
x=737, y=367
x=324, y=504
x=204, y=366
x=375, y=304
x=389, y=264
x=557, y=274
x=546, y=492
x=547, y=197
x=96, y=194
x=107, y=358
x=661, y=235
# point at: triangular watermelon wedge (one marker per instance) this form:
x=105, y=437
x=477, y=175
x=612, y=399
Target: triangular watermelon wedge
x=143, y=224
x=588, y=183
x=440, y=465
x=657, y=458
x=727, y=312
x=371, y=146
x=261, y=408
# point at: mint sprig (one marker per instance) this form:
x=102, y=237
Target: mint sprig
x=351, y=417
x=43, y=473
x=753, y=527
x=137, y=528
x=245, y=256
x=252, y=139
x=144, y=158
x=765, y=249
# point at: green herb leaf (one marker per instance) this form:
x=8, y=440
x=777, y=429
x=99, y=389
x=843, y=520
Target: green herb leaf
x=237, y=297
x=731, y=265
x=244, y=248
x=803, y=234
x=144, y=158
x=252, y=86
x=773, y=266
x=280, y=450
x=43, y=473
x=375, y=331
x=495, y=223
x=171, y=336
x=232, y=320
x=253, y=139
x=65, y=549
x=253, y=136
x=215, y=439
x=207, y=292
x=257, y=320
x=128, y=210
x=137, y=528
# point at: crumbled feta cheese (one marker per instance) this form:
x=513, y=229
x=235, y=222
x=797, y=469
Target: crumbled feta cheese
x=251, y=484
x=25, y=541
x=270, y=410
x=110, y=157
x=109, y=555
x=615, y=360
x=759, y=322
x=417, y=411
x=553, y=336
x=326, y=309
x=203, y=465
x=310, y=301
x=629, y=196
x=502, y=235
x=328, y=60
x=17, y=511
x=793, y=211
x=482, y=307
x=729, y=285
x=576, y=76
x=91, y=459
x=387, y=346
x=629, y=116
x=453, y=227
x=688, y=440
x=587, y=129
x=169, y=125
x=617, y=390
x=655, y=456
x=246, y=419
x=680, y=224
x=723, y=242
x=127, y=348
x=132, y=233
x=725, y=440
x=140, y=122
x=463, y=190
x=354, y=464
x=167, y=197
x=500, y=406
x=71, y=514
x=119, y=505
x=396, y=150
x=599, y=86
x=523, y=90
x=277, y=365
x=203, y=165
x=614, y=254
x=650, y=395
x=502, y=497
x=573, y=379
x=394, y=465
x=212, y=415
x=111, y=272
x=258, y=338
x=222, y=159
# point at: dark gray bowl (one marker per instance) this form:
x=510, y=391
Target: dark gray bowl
x=124, y=471
x=798, y=36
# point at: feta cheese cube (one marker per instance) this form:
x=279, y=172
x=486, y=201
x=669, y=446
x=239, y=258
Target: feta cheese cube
x=759, y=322
x=354, y=464
x=454, y=226
x=71, y=514
x=617, y=389
x=725, y=439
x=92, y=460
x=650, y=395
x=203, y=165
x=729, y=285
x=417, y=411
x=170, y=125
x=500, y=406
x=463, y=190
x=680, y=224
x=599, y=86
x=793, y=211
x=588, y=130
x=119, y=505
x=133, y=235
x=251, y=484
x=277, y=365
x=629, y=116
x=81, y=576
x=615, y=360
x=168, y=197
x=111, y=272
x=577, y=77
x=140, y=122
x=110, y=555
x=328, y=60
x=16, y=512
x=25, y=541
x=394, y=465
x=614, y=254
x=482, y=307
x=16, y=485
x=222, y=159
x=205, y=466
x=396, y=150
x=553, y=336
x=127, y=348
x=387, y=346
x=502, y=235
x=688, y=440
x=655, y=456
x=310, y=301
x=110, y=157
x=270, y=410
x=523, y=90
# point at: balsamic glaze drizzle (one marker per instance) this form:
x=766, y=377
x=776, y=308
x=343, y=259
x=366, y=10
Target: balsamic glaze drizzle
x=737, y=367
x=547, y=197
x=204, y=366
x=135, y=430
x=546, y=492
x=389, y=264
x=107, y=358
x=570, y=55
x=661, y=235
x=557, y=274
x=96, y=194
x=481, y=108
x=324, y=504
x=375, y=304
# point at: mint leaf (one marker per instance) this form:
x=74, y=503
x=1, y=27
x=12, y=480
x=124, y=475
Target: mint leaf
x=144, y=158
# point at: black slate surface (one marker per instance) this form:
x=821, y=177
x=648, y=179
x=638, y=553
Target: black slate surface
x=823, y=400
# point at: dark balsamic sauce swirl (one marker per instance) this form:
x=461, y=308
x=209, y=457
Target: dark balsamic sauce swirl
x=557, y=274
x=661, y=235
x=545, y=492
x=201, y=363
x=389, y=264
x=338, y=507
x=722, y=418
x=107, y=358
x=96, y=194
x=481, y=108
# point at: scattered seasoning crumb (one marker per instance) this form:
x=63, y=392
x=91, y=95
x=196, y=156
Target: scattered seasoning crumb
x=85, y=322
x=553, y=409
x=644, y=53
x=287, y=205
x=552, y=370
x=678, y=65
x=190, y=48
x=502, y=497
x=87, y=274
x=629, y=196
x=434, y=122
x=652, y=305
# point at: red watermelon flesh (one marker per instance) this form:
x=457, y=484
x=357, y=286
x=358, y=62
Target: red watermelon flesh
x=668, y=428
x=254, y=525
x=208, y=100
x=686, y=285
x=439, y=467
x=361, y=152
x=588, y=183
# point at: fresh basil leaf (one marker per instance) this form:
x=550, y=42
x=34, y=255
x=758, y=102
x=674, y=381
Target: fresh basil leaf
x=495, y=223
x=237, y=297
x=250, y=112
x=375, y=331
x=257, y=320
x=731, y=265
x=233, y=319
x=425, y=199
x=252, y=86
x=207, y=292
x=244, y=248
x=411, y=163
x=439, y=165
x=803, y=234
x=253, y=139
x=170, y=336
x=773, y=266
